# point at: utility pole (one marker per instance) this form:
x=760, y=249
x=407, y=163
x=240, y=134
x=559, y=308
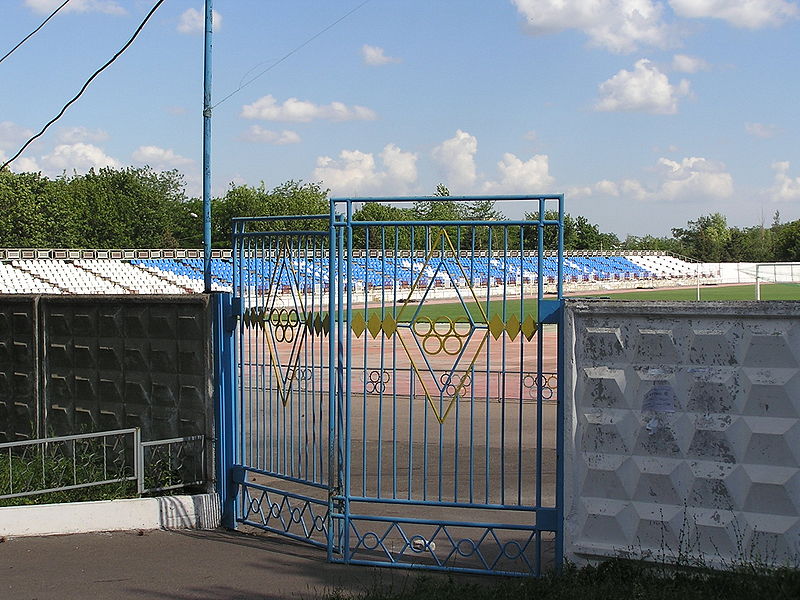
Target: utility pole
x=207, y=149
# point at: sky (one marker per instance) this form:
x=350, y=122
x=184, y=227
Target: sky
x=644, y=113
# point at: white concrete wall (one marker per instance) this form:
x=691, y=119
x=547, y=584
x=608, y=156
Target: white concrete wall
x=201, y=511
x=683, y=431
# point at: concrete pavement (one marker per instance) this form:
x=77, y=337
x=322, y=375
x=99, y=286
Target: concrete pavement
x=175, y=565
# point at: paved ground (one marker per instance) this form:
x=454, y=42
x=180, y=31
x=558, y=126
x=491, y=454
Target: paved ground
x=174, y=565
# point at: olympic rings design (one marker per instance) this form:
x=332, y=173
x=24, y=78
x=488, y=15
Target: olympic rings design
x=548, y=382
x=302, y=375
x=284, y=322
x=441, y=335
x=454, y=383
x=375, y=381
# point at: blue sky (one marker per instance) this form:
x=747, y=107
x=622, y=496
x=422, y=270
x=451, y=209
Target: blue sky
x=645, y=113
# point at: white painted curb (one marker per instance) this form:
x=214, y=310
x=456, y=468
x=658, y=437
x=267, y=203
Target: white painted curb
x=201, y=511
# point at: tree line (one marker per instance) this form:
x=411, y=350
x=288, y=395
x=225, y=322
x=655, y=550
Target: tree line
x=142, y=208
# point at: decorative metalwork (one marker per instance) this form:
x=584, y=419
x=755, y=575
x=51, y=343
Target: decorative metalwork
x=366, y=415
x=490, y=549
x=547, y=382
x=282, y=512
x=375, y=381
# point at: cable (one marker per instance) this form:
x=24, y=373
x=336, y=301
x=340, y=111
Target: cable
x=85, y=85
x=285, y=56
x=25, y=39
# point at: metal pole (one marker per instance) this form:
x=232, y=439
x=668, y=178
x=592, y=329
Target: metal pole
x=698, y=282
x=207, y=150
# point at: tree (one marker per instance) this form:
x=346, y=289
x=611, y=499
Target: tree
x=705, y=239
x=550, y=232
x=33, y=212
x=382, y=237
x=787, y=244
x=288, y=199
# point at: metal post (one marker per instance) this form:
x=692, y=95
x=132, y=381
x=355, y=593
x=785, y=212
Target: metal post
x=207, y=150
x=225, y=432
x=698, y=281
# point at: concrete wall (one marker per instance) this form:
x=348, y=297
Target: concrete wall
x=683, y=430
x=74, y=364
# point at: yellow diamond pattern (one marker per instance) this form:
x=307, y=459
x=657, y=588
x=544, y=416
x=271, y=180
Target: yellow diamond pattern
x=512, y=327
x=374, y=325
x=496, y=326
x=389, y=326
x=358, y=324
x=528, y=327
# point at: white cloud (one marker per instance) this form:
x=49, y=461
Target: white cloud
x=761, y=130
x=257, y=134
x=617, y=25
x=374, y=56
x=785, y=187
x=303, y=111
x=109, y=7
x=694, y=178
x=684, y=63
x=645, y=89
x=357, y=172
x=194, y=21
x=751, y=14
x=456, y=158
x=77, y=157
x=12, y=135
x=71, y=135
x=518, y=176
x=22, y=165
x=160, y=158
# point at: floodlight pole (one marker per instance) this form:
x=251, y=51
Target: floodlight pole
x=207, y=150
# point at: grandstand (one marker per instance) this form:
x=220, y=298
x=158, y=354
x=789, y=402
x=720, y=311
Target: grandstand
x=181, y=271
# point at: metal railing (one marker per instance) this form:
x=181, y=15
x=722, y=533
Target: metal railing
x=70, y=462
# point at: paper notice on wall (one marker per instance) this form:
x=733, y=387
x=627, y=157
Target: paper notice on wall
x=660, y=398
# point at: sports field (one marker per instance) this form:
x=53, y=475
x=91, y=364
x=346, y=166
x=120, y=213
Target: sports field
x=454, y=310
x=773, y=291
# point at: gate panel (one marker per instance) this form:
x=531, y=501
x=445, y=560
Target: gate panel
x=398, y=399
x=451, y=429
x=284, y=459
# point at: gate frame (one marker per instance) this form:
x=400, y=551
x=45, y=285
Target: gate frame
x=229, y=308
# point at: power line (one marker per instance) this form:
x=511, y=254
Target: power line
x=27, y=37
x=85, y=85
x=295, y=50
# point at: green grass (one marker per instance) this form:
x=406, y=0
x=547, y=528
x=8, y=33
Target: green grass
x=453, y=310
x=775, y=291
x=35, y=469
x=612, y=580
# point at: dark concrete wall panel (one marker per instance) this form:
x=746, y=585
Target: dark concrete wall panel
x=105, y=362
x=18, y=408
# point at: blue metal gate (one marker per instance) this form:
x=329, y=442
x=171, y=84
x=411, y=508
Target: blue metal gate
x=398, y=400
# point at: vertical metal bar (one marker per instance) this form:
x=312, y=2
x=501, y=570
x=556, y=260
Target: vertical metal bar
x=138, y=458
x=209, y=18
x=364, y=375
x=225, y=404
x=487, y=425
x=521, y=436
x=333, y=469
x=539, y=354
x=560, y=412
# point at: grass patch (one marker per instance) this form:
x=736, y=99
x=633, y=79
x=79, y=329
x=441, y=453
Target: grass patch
x=60, y=464
x=774, y=291
x=453, y=310
x=613, y=580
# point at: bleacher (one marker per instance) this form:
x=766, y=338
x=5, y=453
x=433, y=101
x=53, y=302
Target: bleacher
x=181, y=272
